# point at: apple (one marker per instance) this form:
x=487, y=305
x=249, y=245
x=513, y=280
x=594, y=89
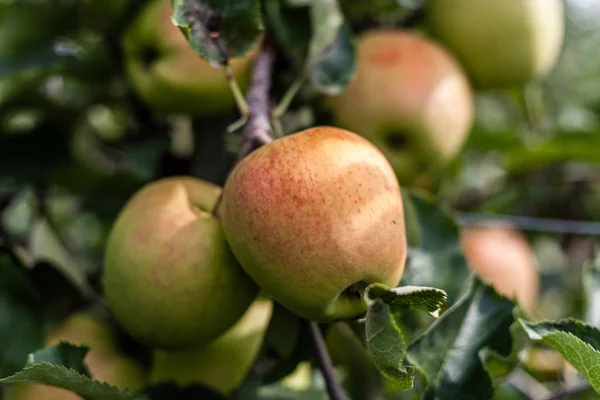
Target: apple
x=168, y=75
x=315, y=217
x=221, y=364
x=500, y=43
x=169, y=275
x=410, y=98
x=104, y=361
x=502, y=256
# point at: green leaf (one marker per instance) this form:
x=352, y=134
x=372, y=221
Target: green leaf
x=578, y=343
x=215, y=25
x=65, y=354
x=57, y=375
x=21, y=316
x=591, y=286
x=448, y=353
x=402, y=298
x=386, y=343
x=43, y=58
x=282, y=333
x=331, y=62
x=291, y=29
x=567, y=147
x=436, y=260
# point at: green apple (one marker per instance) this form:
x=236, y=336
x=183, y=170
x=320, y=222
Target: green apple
x=410, y=98
x=168, y=75
x=315, y=217
x=169, y=275
x=221, y=364
x=500, y=43
x=104, y=361
x=502, y=256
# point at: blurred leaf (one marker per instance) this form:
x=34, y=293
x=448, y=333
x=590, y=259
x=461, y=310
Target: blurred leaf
x=436, y=260
x=291, y=29
x=331, y=62
x=448, y=353
x=58, y=293
x=55, y=53
x=578, y=343
x=212, y=25
x=499, y=366
x=591, y=286
x=21, y=318
x=283, y=330
x=567, y=147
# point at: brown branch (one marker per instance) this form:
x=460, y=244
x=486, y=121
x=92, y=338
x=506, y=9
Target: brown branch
x=334, y=389
x=257, y=130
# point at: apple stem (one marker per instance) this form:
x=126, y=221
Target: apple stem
x=325, y=364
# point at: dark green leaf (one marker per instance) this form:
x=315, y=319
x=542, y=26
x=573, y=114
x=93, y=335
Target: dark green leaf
x=436, y=260
x=386, y=344
x=216, y=28
x=65, y=354
x=448, y=353
x=567, y=147
x=402, y=298
x=60, y=376
x=578, y=343
x=21, y=317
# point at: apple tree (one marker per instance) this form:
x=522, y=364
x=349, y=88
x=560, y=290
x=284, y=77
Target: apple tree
x=299, y=199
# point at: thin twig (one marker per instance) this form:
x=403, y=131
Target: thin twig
x=326, y=365
x=565, y=393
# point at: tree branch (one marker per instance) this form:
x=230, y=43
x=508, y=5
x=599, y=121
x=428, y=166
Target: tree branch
x=257, y=130
x=326, y=365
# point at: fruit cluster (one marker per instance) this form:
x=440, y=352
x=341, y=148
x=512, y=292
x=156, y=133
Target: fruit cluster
x=311, y=219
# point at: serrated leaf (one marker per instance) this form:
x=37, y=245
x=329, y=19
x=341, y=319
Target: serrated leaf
x=578, y=343
x=215, y=25
x=448, y=352
x=436, y=260
x=57, y=375
x=65, y=354
x=386, y=344
x=401, y=298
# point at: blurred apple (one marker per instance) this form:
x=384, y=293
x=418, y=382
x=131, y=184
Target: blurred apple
x=502, y=256
x=500, y=43
x=410, y=98
x=168, y=75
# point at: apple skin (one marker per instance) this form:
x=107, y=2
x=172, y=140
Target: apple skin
x=500, y=43
x=501, y=256
x=168, y=75
x=315, y=217
x=221, y=364
x=103, y=360
x=169, y=275
x=410, y=98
